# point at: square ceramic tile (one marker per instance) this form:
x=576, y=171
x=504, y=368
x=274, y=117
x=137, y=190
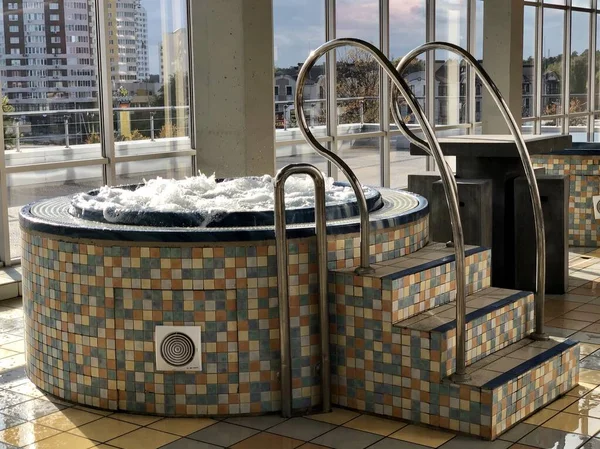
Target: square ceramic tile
x=67, y=419
x=461, y=442
x=223, y=434
x=257, y=422
x=594, y=443
x=268, y=440
x=140, y=420
x=10, y=398
x=302, y=428
x=391, y=443
x=182, y=426
x=540, y=417
x=345, y=438
x=7, y=421
x=561, y=403
x=63, y=441
x=422, y=435
x=32, y=409
x=517, y=432
x=337, y=416
x=186, y=443
x=374, y=424
x=25, y=434
x=504, y=364
x=550, y=438
x=104, y=429
x=570, y=423
x=28, y=389
x=587, y=376
x=146, y=438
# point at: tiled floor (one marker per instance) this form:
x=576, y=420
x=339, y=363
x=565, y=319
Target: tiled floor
x=30, y=419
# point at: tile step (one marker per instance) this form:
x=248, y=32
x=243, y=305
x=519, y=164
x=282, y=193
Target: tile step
x=495, y=319
x=10, y=282
x=422, y=280
x=517, y=381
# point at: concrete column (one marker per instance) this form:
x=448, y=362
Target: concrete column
x=503, y=60
x=232, y=58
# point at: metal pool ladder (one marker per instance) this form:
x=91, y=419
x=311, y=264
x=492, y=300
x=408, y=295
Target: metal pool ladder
x=283, y=287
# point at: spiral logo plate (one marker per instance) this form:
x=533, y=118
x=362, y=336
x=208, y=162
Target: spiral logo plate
x=177, y=349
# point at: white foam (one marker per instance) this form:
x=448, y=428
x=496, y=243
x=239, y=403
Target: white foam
x=204, y=193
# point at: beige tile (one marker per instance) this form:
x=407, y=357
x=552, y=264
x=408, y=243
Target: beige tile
x=592, y=308
x=6, y=353
x=104, y=429
x=63, y=441
x=16, y=346
x=568, y=422
x=561, y=403
x=97, y=411
x=312, y=446
x=541, y=416
x=373, y=424
x=589, y=405
x=28, y=389
x=25, y=434
x=12, y=362
x=582, y=316
x=268, y=440
x=140, y=420
x=589, y=376
x=587, y=348
x=580, y=390
x=143, y=438
x=337, y=416
x=504, y=364
x=563, y=323
x=67, y=419
x=182, y=426
x=422, y=435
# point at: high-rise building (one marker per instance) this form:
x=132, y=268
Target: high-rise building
x=47, y=51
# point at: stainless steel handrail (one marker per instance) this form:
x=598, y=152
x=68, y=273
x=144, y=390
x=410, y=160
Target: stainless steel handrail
x=538, y=216
x=282, y=283
x=450, y=186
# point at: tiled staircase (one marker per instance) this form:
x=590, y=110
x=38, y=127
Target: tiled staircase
x=393, y=336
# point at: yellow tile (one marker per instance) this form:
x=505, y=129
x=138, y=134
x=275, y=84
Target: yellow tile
x=373, y=424
x=104, y=429
x=561, y=403
x=564, y=323
x=67, y=419
x=422, y=435
x=16, y=346
x=140, y=420
x=589, y=376
x=268, y=440
x=97, y=411
x=25, y=434
x=589, y=405
x=182, y=426
x=541, y=416
x=568, y=422
x=63, y=441
x=337, y=416
x=143, y=438
x=580, y=390
x=588, y=348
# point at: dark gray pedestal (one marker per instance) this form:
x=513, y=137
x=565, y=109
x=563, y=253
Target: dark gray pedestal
x=554, y=193
x=475, y=201
x=422, y=184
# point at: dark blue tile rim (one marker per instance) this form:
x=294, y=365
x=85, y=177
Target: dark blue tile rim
x=102, y=231
x=529, y=364
x=484, y=311
x=434, y=263
x=578, y=149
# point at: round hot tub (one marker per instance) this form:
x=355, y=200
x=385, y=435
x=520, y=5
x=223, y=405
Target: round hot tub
x=94, y=293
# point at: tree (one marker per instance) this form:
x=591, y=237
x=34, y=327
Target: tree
x=9, y=124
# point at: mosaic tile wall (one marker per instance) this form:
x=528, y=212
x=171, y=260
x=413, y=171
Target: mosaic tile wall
x=436, y=286
x=384, y=369
x=91, y=310
x=584, y=180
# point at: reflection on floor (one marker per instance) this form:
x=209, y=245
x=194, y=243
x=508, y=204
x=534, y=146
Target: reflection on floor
x=30, y=419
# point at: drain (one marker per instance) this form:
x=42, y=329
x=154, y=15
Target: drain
x=177, y=349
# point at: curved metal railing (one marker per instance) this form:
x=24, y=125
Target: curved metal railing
x=282, y=283
x=523, y=153
x=450, y=186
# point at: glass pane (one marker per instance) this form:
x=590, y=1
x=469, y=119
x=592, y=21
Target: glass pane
x=579, y=130
x=357, y=72
x=582, y=3
x=402, y=163
x=552, y=61
x=596, y=128
x=362, y=155
x=597, y=68
x=527, y=128
x=578, y=81
x=296, y=34
x=479, y=56
x=450, y=89
x=529, y=62
x=555, y=2
x=151, y=96
x=290, y=154
x=407, y=31
x=169, y=168
x=26, y=187
x=48, y=74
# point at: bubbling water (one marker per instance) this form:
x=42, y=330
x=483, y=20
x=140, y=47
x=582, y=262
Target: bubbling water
x=207, y=194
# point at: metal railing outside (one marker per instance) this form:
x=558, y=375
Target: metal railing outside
x=449, y=183
x=283, y=288
x=531, y=180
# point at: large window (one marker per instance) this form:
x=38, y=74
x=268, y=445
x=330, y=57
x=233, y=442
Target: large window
x=56, y=140
x=357, y=127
